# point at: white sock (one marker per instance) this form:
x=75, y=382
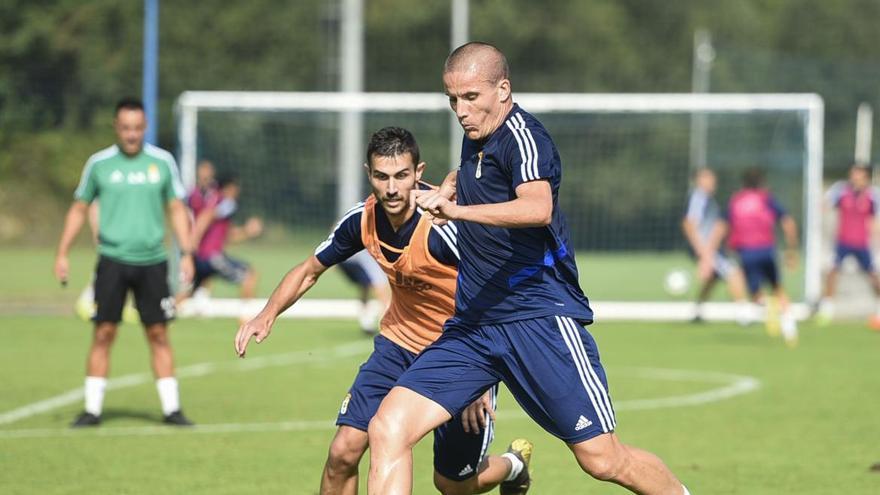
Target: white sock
x=516, y=466
x=168, y=395
x=826, y=306
x=788, y=325
x=94, y=392
x=685, y=490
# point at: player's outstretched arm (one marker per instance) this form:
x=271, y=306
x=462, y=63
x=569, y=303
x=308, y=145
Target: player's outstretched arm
x=293, y=286
x=533, y=207
x=73, y=222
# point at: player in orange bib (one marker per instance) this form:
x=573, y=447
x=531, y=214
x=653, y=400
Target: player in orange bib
x=420, y=260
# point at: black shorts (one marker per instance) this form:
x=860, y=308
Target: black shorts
x=149, y=283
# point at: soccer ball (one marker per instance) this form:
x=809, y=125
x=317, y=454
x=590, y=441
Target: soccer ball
x=677, y=282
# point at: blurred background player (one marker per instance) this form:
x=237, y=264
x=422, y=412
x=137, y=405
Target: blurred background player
x=751, y=220
x=374, y=292
x=213, y=207
x=856, y=203
x=135, y=182
x=702, y=217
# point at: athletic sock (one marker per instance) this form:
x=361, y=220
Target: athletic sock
x=168, y=394
x=94, y=394
x=826, y=307
x=788, y=326
x=516, y=466
x=685, y=490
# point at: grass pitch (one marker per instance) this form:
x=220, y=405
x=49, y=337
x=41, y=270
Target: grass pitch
x=266, y=421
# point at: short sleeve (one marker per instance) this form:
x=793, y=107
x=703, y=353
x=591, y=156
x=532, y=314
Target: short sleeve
x=87, y=189
x=344, y=241
x=834, y=194
x=696, y=206
x=443, y=243
x=173, y=186
x=530, y=153
x=776, y=207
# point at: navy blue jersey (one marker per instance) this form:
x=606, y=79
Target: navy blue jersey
x=514, y=274
x=345, y=240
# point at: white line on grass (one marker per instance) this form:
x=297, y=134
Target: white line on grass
x=194, y=370
x=731, y=386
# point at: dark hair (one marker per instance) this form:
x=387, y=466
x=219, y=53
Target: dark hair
x=227, y=179
x=392, y=141
x=129, y=103
x=753, y=177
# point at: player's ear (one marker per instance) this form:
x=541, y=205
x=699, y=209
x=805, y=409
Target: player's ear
x=420, y=169
x=367, y=169
x=504, y=90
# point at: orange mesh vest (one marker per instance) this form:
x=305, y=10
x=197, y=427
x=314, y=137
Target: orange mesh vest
x=422, y=288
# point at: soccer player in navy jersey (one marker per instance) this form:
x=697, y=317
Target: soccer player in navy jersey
x=519, y=311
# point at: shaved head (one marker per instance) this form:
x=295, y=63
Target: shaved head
x=481, y=58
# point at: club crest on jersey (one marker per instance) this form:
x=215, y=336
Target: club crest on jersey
x=479, y=172
x=153, y=174
x=344, y=407
x=116, y=177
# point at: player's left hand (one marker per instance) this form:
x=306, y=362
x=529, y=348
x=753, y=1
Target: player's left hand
x=476, y=416
x=253, y=227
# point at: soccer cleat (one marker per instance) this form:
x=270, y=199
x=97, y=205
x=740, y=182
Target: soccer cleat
x=86, y=419
x=874, y=322
x=178, y=419
x=771, y=317
x=521, y=448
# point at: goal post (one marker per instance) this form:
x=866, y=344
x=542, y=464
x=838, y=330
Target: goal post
x=744, y=124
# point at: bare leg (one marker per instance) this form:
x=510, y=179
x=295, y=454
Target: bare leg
x=736, y=284
x=606, y=459
x=98, y=362
x=249, y=284
x=160, y=349
x=341, y=469
x=401, y=421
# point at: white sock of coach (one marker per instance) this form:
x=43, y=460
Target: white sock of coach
x=94, y=394
x=168, y=394
x=516, y=466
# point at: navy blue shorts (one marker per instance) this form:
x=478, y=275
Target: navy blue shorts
x=228, y=268
x=759, y=265
x=862, y=255
x=550, y=364
x=363, y=270
x=457, y=454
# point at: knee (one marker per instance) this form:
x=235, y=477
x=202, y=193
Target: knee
x=104, y=335
x=157, y=336
x=344, y=457
x=381, y=431
x=604, y=464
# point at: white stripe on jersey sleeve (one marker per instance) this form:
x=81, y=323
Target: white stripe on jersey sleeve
x=176, y=183
x=522, y=153
x=448, y=238
x=530, y=140
x=90, y=164
x=327, y=242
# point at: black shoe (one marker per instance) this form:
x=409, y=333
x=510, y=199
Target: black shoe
x=698, y=320
x=521, y=448
x=178, y=419
x=86, y=419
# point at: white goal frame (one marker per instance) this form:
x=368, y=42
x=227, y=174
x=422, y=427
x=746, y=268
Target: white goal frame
x=810, y=106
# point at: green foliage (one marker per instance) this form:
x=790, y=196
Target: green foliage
x=63, y=63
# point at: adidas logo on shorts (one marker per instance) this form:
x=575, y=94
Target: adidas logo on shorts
x=466, y=471
x=582, y=423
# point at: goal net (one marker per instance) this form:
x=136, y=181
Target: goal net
x=627, y=163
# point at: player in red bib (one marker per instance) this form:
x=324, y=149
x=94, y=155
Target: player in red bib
x=856, y=203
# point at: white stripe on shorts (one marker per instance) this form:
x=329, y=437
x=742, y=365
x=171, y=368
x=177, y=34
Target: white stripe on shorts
x=588, y=386
x=603, y=393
